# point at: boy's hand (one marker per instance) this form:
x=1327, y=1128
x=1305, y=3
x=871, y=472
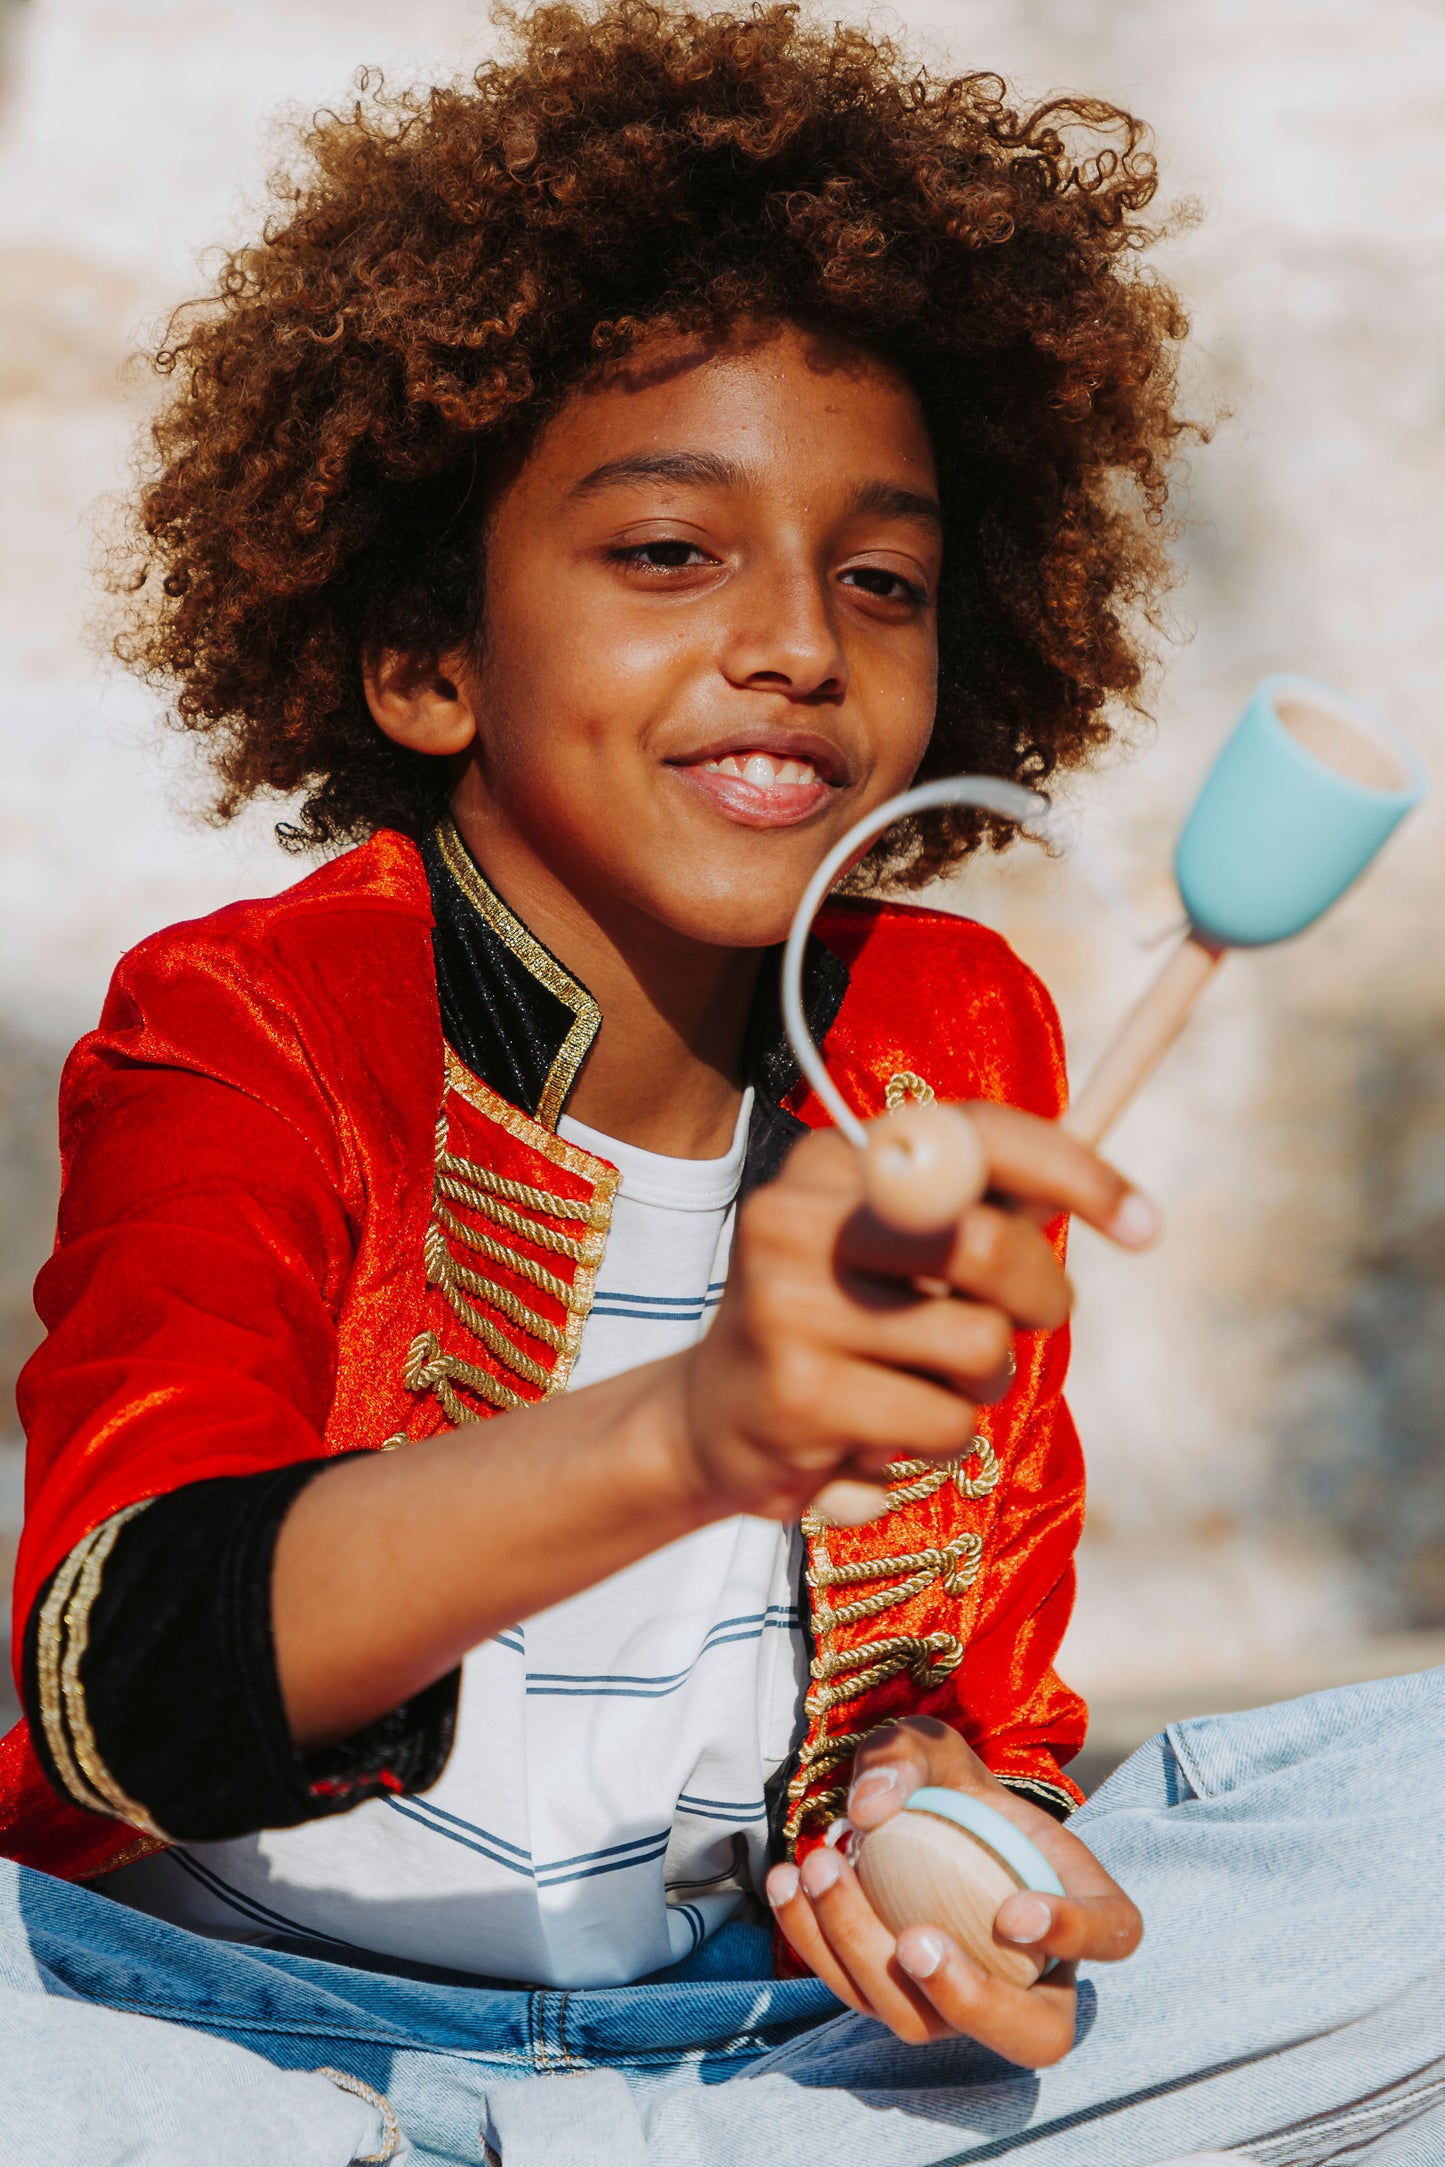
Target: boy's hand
x=923, y=1987
x=825, y=1358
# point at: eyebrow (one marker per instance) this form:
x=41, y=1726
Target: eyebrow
x=710, y=470
x=701, y=469
x=893, y=502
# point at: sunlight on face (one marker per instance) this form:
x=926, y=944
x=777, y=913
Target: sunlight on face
x=709, y=641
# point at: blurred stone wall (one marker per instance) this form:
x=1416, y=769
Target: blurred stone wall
x=1261, y=1402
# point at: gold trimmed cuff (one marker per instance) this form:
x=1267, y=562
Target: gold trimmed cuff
x=63, y=1637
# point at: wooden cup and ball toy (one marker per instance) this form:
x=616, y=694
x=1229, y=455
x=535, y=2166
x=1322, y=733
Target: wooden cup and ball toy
x=949, y=1860
x=1306, y=790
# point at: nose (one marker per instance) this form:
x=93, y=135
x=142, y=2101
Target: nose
x=783, y=637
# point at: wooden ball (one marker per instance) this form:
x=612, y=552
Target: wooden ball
x=923, y=1167
x=918, y=1869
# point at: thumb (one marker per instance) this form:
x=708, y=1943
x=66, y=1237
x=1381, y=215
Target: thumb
x=1102, y=1928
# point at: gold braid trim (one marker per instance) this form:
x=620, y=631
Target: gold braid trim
x=443, y=1271
x=543, y=965
x=429, y=1369
x=428, y=1366
x=477, y=1178
x=64, y=1636
x=49, y=1649
x=955, y=1567
x=905, y=1085
x=928, y=1658
x=841, y=1676
x=932, y=1477
x=526, y=1267
x=546, y=1237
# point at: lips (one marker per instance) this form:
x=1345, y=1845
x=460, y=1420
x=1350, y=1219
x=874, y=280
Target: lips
x=758, y=788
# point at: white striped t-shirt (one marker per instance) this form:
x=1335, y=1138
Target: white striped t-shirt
x=602, y=1809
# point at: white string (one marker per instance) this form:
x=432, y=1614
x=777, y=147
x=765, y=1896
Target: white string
x=989, y=794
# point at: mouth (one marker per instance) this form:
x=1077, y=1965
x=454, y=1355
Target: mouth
x=777, y=786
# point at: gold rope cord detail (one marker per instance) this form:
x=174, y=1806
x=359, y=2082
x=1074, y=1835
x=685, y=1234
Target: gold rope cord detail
x=444, y=1272
x=499, y=1253
x=543, y=966
x=64, y=1635
x=931, y=1476
x=481, y=1187
x=840, y=1677
x=955, y=1567
x=929, y=1659
x=546, y=1237
x=905, y=1085
x=450, y=1274
x=430, y=1369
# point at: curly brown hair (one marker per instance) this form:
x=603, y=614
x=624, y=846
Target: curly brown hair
x=452, y=260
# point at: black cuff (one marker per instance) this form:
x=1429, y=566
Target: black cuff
x=174, y=1705
x=1052, y=1797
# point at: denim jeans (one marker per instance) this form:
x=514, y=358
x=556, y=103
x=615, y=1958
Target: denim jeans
x=1288, y=2002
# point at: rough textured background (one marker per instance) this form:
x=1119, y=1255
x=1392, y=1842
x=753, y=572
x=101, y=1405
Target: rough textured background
x=1262, y=1402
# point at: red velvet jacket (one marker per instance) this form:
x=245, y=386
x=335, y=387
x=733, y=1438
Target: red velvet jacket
x=293, y=1224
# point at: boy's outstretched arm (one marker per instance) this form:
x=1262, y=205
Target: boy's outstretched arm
x=823, y=1360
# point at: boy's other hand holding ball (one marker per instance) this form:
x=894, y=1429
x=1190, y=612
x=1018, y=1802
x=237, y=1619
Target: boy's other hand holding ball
x=922, y=1985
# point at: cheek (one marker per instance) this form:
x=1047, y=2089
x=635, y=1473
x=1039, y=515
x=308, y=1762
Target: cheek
x=900, y=692
x=576, y=678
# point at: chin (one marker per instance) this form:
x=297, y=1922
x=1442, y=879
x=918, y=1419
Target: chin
x=730, y=912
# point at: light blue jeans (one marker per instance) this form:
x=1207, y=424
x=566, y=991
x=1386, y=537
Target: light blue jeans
x=1288, y=2001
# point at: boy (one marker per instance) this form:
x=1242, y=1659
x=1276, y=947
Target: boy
x=607, y=482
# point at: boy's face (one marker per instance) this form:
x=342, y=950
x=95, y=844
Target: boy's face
x=709, y=642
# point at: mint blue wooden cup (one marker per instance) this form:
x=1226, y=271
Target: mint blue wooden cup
x=1306, y=790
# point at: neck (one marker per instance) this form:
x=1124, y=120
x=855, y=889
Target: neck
x=665, y=1071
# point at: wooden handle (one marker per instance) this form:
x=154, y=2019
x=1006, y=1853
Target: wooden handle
x=1143, y=1039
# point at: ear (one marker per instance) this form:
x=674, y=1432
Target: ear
x=424, y=702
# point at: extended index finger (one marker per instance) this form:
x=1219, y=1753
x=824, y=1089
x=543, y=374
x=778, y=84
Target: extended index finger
x=1039, y=1163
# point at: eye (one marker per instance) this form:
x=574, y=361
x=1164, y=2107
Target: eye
x=664, y=556
x=886, y=586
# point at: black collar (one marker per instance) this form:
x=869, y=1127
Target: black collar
x=523, y=1024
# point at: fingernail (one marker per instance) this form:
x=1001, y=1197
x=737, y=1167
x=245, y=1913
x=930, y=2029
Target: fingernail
x=921, y=1954
x=782, y=1886
x=873, y=1783
x=840, y=1835
x=1028, y=1920
x=820, y=1870
x=1137, y=1222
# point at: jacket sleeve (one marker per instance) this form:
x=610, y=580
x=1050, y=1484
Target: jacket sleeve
x=1018, y=1715
x=179, y=1403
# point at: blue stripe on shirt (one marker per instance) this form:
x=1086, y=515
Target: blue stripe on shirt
x=551, y=1873
x=553, y=1684
x=246, y=1906
x=721, y=1809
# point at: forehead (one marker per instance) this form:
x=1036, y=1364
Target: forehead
x=766, y=405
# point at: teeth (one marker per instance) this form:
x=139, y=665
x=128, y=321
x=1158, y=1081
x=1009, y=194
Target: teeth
x=763, y=769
